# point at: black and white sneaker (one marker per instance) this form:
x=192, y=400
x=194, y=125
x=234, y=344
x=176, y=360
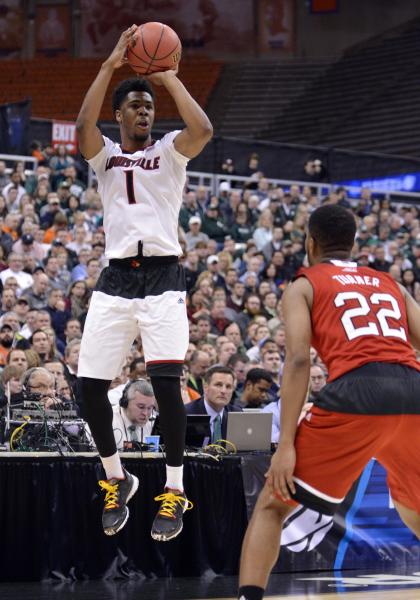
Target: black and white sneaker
x=168, y=521
x=117, y=494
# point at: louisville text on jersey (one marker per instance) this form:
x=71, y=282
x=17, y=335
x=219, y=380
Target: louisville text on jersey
x=147, y=164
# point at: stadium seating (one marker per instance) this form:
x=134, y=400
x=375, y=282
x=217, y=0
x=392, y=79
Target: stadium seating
x=366, y=101
x=250, y=93
x=57, y=87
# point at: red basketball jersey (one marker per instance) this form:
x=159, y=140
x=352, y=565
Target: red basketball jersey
x=358, y=316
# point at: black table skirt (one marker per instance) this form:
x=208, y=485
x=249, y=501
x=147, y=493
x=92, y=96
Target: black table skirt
x=50, y=520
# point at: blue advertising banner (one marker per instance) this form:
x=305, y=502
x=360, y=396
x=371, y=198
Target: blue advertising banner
x=408, y=182
x=366, y=531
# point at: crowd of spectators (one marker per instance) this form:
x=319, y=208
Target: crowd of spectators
x=241, y=248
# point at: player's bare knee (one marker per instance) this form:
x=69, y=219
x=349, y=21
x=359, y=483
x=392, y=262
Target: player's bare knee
x=270, y=503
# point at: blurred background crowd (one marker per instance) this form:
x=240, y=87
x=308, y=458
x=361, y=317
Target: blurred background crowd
x=241, y=247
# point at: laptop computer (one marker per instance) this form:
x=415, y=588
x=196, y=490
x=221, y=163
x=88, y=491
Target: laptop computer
x=249, y=430
x=198, y=429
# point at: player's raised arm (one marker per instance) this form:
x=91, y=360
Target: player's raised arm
x=89, y=136
x=413, y=318
x=198, y=129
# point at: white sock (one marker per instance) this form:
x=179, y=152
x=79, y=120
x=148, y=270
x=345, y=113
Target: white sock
x=112, y=466
x=174, y=477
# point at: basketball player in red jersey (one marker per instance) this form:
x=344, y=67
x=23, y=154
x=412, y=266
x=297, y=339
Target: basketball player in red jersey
x=364, y=327
x=142, y=290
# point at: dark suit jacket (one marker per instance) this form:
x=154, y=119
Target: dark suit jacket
x=199, y=408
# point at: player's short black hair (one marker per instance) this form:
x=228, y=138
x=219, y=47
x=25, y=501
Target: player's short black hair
x=333, y=227
x=135, y=84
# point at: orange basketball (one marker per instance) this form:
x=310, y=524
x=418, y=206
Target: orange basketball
x=157, y=48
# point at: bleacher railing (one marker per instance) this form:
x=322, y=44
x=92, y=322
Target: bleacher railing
x=212, y=181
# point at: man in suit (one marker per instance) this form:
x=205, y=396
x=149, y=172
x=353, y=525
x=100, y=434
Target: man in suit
x=219, y=385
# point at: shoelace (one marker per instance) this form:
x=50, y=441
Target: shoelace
x=111, y=495
x=169, y=503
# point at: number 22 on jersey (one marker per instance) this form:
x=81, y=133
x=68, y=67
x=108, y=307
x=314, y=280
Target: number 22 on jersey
x=378, y=309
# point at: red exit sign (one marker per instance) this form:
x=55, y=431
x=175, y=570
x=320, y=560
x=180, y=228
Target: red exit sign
x=324, y=6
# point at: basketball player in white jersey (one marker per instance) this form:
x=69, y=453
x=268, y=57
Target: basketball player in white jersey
x=143, y=289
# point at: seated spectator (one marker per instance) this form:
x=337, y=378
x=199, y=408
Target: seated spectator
x=213, y=271
x=11, y=386
x=56, y=367
x=260, y=339
x=57, y=311
x=42, y=319
x=408, y=281
x=80, y=270
x=194, y=235
x=210, y=349
x=271, y=362
x=50, y=210
x=229, y=208
x=38, y=385
x=252, y=307
x=236, y=300
x=192, y=269
x=72, y=330
x=15, y=185
x=204, y=329
x=30, y=324
x=233, y=334
x=79, y=240
x=131, y=416
x=57, y=346
x=213, y=225
x=56, y=278
x=220, y=316
x=8, y=301
x=17, y=358
x=71, y=360
x=257, y=385
x=59, y=223
x=199, y=364
x=263, y=234
x=226, y=350
x=37, y=293
x=242, y=229
x=218, y=389
x=187, y=393
x=6, y=341
x=15, y=269
x=27, y=245
x=379, y=263
x=241, y=365
x=21, y=309
x=274, y=244
x=279, y=337
x=189, y=209
x=59, y=163
x=93, y=270
x=317, y=381
x=269, y=302
x=41, y=344
x=77, y=298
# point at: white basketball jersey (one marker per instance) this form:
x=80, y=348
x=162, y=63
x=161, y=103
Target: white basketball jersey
x=142, y=196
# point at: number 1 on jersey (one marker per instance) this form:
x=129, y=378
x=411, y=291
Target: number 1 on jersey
x=129, y=182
